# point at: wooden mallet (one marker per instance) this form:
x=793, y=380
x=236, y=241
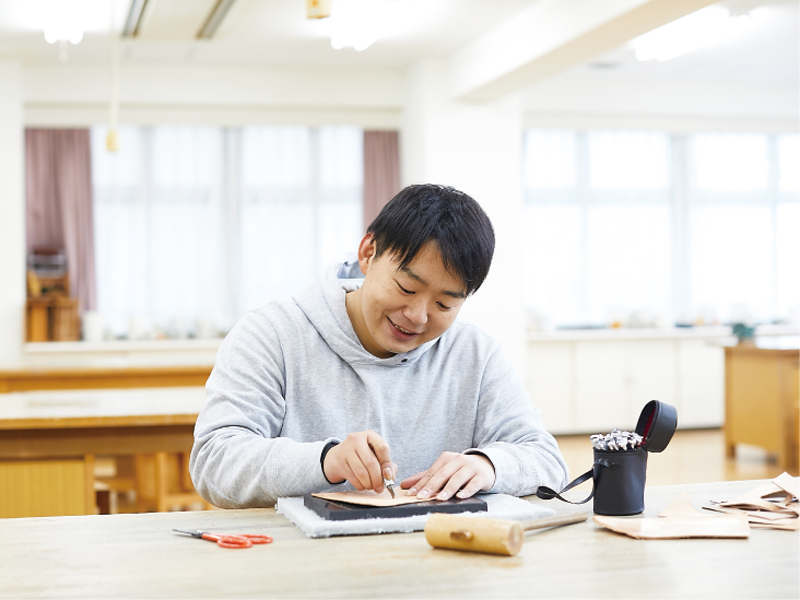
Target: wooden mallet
x=493, y=536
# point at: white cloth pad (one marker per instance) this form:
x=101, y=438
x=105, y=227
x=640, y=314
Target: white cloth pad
x=500, y=506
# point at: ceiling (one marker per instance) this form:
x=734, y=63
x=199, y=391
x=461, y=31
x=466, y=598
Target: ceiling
x=277, y=33
x=769, y=51
x=270, y=32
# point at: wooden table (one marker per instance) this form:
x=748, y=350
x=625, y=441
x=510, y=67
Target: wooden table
x=70, y=378
x=762, y=400
x=48, y=441
x=136, y=556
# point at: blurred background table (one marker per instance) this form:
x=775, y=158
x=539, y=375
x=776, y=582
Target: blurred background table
x=49, y=440
x=66, y=378
x=762, y=398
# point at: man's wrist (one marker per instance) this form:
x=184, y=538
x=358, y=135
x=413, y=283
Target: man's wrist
x=479, y=454
x=322, y=456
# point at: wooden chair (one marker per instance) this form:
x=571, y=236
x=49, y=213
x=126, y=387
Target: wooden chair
x=114, y=478
x=163, y=483
x=158, y=483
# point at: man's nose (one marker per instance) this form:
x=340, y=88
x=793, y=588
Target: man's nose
x=417, y=311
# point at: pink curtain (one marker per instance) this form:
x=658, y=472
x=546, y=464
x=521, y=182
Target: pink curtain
x=381, y=171
x=58, y=193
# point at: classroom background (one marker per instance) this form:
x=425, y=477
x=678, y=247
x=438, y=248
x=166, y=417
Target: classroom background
x=167, y=165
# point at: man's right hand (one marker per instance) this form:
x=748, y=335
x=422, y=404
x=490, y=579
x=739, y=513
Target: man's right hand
x=362, y=459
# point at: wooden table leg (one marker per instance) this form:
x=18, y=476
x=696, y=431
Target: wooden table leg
x=162, y=482
x=88, y=483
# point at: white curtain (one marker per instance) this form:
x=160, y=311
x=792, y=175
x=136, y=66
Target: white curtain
x=198, y=224
x=743, y=222
x=301, y=191
x=648, y=228
x=597, y=225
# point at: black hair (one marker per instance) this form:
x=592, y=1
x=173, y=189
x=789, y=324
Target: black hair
x=419, y=214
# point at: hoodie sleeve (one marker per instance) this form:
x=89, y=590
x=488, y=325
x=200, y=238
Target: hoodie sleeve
x=509, y=431
x=238, y=459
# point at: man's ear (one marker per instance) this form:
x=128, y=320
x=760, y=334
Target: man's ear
x=366, y=252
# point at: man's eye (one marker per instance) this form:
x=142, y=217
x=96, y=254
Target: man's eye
x=443, y=306
x=404, y=289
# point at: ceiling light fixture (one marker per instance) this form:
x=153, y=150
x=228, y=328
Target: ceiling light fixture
x=62, y=23
x=318, y=9
x=358, y=24
x=214, y=19
x=697, y=30
x=137, y=15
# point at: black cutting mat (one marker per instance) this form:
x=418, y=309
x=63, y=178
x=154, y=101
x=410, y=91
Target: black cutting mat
x=341, y=511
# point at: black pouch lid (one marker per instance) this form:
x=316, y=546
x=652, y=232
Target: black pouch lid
x=657, y=423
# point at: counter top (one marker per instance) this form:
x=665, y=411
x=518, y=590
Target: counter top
x=721, y=333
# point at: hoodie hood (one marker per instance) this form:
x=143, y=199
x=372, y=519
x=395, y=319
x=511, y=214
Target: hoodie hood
x=324, y=306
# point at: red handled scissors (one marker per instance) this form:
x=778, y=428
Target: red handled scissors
x=244, y=540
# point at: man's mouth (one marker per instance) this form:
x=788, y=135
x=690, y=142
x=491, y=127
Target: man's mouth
x=404, y=332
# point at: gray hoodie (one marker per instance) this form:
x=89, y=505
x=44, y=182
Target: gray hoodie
x=292, y=376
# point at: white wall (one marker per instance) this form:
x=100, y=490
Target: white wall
x=476, y=148
x=79, y=95
x=583, y=98
x=12, y=214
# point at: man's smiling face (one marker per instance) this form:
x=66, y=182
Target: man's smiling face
x=397, y=310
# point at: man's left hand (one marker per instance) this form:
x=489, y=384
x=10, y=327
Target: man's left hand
x=453, y=474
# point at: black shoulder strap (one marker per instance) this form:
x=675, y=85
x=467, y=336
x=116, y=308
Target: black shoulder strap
x=547, y=493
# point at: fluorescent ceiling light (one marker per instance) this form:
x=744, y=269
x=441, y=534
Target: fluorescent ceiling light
x=45, y=15
x=697, y=30
x=358, y=24
x=67, y=20
x=133, y=22
x=63, y=32
x=64, y=21
x=214, y=19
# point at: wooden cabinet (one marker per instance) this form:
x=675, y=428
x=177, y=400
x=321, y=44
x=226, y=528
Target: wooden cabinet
x=762, y=401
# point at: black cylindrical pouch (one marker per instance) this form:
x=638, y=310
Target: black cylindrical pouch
x=619, y=481
x=619, y=475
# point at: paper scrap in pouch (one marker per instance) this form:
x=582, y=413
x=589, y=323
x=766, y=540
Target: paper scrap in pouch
x=370, y=498
x=669, y=528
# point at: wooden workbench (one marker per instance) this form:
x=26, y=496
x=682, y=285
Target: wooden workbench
x=48, y=440
x=137, y=556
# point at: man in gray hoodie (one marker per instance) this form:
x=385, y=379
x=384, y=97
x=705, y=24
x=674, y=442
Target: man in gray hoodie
x=368, y=374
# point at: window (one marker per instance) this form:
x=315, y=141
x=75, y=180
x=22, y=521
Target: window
x=204, y=223
x=648, y=228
